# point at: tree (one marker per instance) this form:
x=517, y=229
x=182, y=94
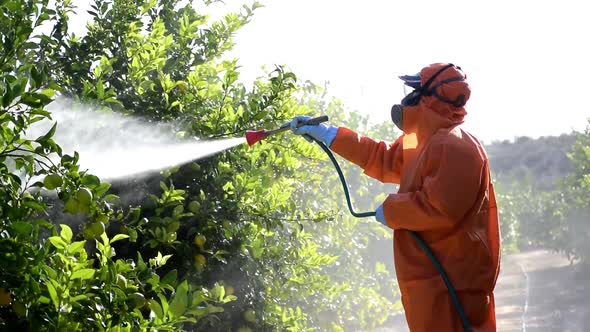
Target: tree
x=47, y=279
x=214, y=245
x=575, y=192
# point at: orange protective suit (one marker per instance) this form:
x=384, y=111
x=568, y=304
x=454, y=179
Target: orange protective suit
x=447, y=198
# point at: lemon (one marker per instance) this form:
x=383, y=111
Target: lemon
x=97, y=228
x=200, y=240
x=194, y=206
x=19, y=309
x=84, y=196
x=103, y=218
x=5, y=298
x=200, y=260
x=52, y=181
x=72, y=206
x=250, y=316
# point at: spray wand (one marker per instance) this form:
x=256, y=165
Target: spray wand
x=254, y=136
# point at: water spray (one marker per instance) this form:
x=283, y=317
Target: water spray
x=254, y=136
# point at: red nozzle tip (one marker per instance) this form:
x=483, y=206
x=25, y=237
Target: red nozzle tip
x=253, y=136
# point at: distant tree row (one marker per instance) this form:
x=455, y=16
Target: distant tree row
x=544, y=192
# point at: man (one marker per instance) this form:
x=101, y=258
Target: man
x=445, y=195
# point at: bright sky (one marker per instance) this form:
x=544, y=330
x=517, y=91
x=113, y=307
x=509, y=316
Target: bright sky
x=526, y=61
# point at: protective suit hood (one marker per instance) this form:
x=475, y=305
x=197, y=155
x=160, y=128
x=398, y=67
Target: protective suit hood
x=449, y=91
x=438, y=102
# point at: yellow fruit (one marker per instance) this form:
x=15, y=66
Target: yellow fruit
x=19, y=309
x=83, y=208
x=194, y=206
x=52, y=181
x=84, y=196
x=200, y=240
x=93, y=230
x=103, y=218
x=200, y=260
x=5, y=298
x=229, y=290
x=72, y=206
x=250, y=316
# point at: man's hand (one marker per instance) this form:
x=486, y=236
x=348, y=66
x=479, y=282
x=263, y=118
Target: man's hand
x=322, y=132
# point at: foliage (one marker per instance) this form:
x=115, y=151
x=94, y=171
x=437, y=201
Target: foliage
x=221, y=238
x=363, y=272
x=542, y=162
x=51, y=282
x=529, y=218
x=538, y=212
x=576, y=195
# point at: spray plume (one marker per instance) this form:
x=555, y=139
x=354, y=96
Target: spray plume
x=114, y=146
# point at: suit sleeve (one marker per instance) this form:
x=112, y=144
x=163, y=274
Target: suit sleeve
x=453, y=178
x=378, y=159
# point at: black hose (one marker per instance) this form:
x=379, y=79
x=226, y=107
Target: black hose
x=421, y=242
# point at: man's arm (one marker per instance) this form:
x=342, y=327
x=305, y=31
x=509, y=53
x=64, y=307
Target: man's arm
x=378, y=159
x=451, y=187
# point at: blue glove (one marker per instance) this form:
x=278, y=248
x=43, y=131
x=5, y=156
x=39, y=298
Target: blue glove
x=380, y=216
x=322, y=132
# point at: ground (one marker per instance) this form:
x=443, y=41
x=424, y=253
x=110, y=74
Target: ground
x=537, y=291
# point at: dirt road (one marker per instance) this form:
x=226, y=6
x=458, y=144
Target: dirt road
x=538, y=291
x=541, y=291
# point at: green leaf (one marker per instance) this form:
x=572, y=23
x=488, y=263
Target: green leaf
x=50, y=133
x=110, y=198
x=66, y=233
x=230, y=298
x=7, y=98
x=211, y=309
x=44, y=300
x=156, y=308
x=57, y=242
x=179, y=303
x=34, y=205
x=42, y=223
x=22, y=228
x=31, y=99
x=76, y=247
x=83, y=274
x=37, y=77
x=170, y=277
x=90, y=181
x=119, y=237
x=50, y=272
x=102, y=189
x=198, y=297
x=78, y=298
x=218, y=291
x=49, y=93
x=52, y=294
x=164, y=303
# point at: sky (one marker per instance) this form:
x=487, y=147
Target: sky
x=526, y=61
